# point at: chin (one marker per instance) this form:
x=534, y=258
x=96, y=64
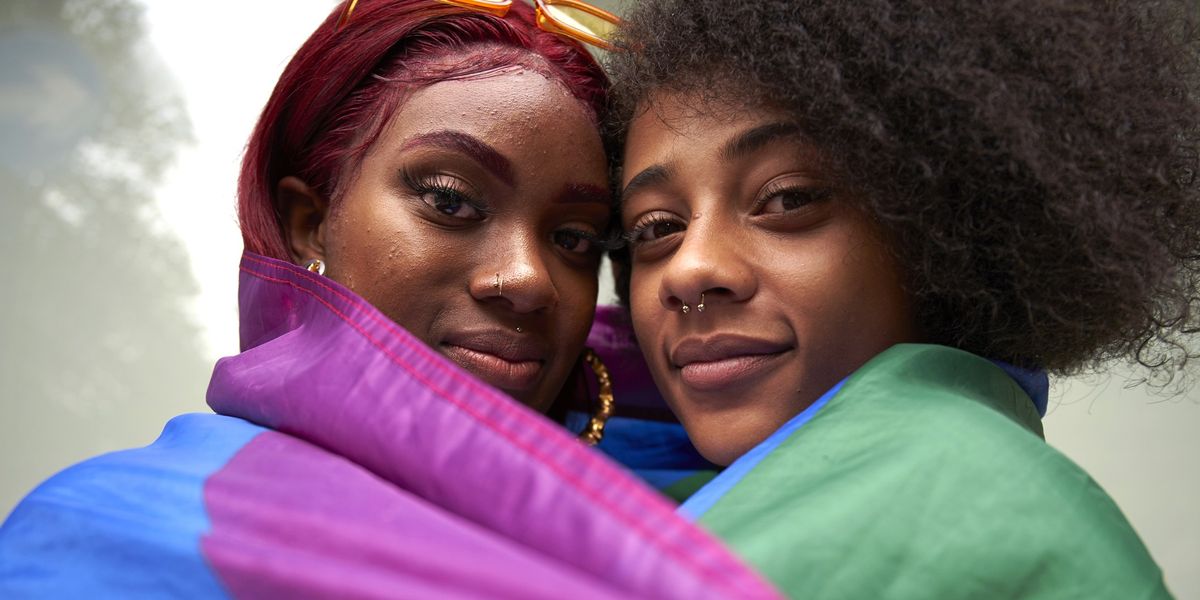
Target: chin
x=722, y=439
x=720, y=455
x=540, y=403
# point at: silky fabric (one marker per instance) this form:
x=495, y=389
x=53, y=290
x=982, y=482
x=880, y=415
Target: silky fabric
x=349, y=460
x=925, y=475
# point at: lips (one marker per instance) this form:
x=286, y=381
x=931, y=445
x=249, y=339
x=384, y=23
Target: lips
x=723, y=361
x=499, y=358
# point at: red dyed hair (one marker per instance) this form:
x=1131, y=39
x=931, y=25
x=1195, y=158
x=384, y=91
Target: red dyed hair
x=343, y=86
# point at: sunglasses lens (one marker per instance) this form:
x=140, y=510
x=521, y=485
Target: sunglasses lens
x=580, y=21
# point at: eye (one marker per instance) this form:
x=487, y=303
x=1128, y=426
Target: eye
x=574, y=240
x=451, y=203
x=788, y=199
x=652, y=228
x=449, y=196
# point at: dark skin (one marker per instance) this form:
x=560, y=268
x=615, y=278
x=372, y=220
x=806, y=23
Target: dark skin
x=469, y=187
x=798, y=289
x=1032, y=163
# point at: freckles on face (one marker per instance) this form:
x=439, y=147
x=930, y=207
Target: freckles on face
x=463, y=193
x=740, y=214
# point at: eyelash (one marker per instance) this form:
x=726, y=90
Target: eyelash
x=444, y=186
x=595, y=243
x=633, y=236
x=812, y=195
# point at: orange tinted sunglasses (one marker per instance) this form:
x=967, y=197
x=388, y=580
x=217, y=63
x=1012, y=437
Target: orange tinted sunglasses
x=571, y=18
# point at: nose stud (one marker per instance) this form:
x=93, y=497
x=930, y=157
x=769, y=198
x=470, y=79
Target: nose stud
x=685, y=309
x=499, y=285
x=700, y=307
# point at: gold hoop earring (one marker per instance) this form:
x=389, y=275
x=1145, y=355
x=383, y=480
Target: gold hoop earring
x=594, y=432
x=315, y=265
x=700, y=307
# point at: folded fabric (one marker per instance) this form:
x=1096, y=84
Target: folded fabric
x=349, y=460
x=925, y=475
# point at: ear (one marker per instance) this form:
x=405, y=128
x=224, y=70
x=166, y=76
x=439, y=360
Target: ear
x=303, y=214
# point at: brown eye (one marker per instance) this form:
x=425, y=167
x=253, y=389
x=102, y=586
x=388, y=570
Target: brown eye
x=575, y=241
x=656, y=229
x=665, y=228
x=791, y=199
x=450, y=203
x=447, y=195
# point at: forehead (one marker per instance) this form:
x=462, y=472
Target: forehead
x=508, y=107
x=682, y=125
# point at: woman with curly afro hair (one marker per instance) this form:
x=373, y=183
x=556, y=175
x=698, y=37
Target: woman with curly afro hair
x=862, y=233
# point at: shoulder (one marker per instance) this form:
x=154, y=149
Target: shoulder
x=128, y=520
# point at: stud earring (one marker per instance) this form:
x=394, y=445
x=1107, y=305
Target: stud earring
x=315, y=265
x=700, y=307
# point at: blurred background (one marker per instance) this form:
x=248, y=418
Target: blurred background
x=122, y=124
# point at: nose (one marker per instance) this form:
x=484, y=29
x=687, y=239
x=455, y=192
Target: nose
x=711, y=261
x=515, y=276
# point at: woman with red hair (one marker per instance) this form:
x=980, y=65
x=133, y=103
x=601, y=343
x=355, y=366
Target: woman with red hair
x=423, y=204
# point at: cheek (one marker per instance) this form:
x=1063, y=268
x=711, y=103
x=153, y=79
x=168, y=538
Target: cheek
x=855, y=301
x=383, y=256
x=576, y=288
x=650, y=319
x=872, y=279
x=644, y=308
x=577, y=300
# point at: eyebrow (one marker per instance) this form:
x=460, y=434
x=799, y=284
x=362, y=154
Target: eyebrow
x=745, y=143
x=476, y=149
x=650, y=176
x=754, y=139
x=582, y=193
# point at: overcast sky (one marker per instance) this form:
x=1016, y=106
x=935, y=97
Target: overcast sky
x=225, y=56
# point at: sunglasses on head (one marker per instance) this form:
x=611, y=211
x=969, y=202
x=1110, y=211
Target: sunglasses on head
x=571, y=18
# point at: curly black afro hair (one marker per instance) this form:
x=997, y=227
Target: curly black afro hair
x=1034, y=163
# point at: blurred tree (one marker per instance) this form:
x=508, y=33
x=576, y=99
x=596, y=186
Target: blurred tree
x=96, y=345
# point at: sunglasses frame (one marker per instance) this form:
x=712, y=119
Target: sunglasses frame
x=546, y=21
